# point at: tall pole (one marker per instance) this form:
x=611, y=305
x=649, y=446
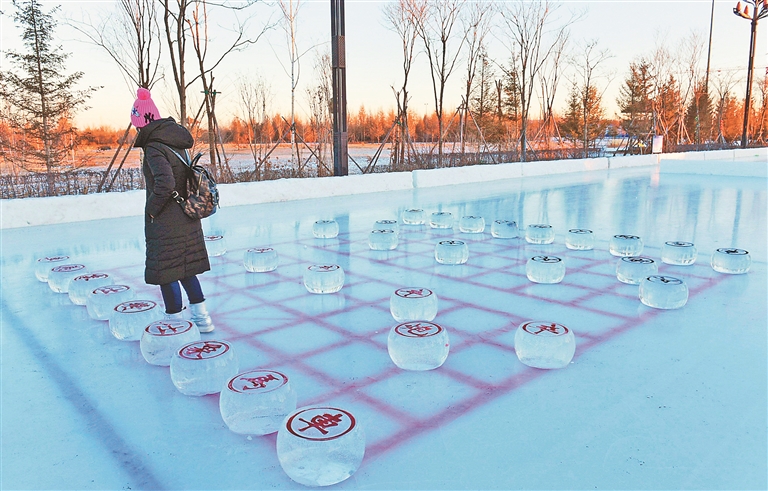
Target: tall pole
x=709, y=50
x=759, y=11
x=339, y=73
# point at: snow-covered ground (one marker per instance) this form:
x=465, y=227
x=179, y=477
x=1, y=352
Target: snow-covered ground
x=653, y=399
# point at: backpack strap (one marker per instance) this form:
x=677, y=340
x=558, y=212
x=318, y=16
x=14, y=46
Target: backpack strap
x=175, y=195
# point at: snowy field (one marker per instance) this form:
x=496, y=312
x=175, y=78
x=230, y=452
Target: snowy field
x=653, y=399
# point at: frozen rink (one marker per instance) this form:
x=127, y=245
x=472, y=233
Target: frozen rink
x=653, y=399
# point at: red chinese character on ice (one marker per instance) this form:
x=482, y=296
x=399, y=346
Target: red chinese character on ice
x=129, y=306
x=106, y=290
x=412, y=292
x=164, y=327
x=419, y=329
x=199, y=351
x=258, y=382
x=553, y=328
x=321, y=422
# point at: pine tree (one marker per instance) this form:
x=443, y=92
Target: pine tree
x=41, y=100
x=698, y=116
x=635, y=104
x=584, y=122
x=483, y=103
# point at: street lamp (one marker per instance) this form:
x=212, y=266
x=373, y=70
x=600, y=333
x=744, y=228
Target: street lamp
x=759, y=10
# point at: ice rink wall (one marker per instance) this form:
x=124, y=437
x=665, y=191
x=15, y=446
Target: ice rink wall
x=14, y=213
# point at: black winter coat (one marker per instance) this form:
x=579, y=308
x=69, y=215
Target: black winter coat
x=175, y=242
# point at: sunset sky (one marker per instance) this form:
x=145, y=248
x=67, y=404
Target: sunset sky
x=628, y=29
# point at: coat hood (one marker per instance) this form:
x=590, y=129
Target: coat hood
x=165, y=131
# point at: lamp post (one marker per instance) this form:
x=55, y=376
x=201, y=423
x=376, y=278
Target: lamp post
x=339, y=76
x=759, y=10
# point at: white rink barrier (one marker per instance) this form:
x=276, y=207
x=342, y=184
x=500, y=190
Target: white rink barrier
x=30, y=212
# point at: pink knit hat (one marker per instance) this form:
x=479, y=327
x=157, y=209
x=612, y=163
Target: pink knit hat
x=144, y=110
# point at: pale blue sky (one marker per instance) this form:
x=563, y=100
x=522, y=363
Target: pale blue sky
x=629, y=29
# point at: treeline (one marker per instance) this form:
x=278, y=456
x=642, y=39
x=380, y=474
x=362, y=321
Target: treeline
x=505, y=111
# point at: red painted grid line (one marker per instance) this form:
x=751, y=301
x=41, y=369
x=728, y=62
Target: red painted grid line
x=410, y=425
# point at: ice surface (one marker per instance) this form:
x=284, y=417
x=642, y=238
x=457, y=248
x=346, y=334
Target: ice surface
x=115, y=422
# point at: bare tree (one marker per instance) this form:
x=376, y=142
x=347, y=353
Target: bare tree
x=549, y=80
x=131, y=37
x=402, y=17
x=198, y=34
x=527, y=33
x=290, y=12
x=320, y=98
x=477, y=25
x=689, y=60
x=435, y=28
x=588, y=74
x=255, y=96
x=175, y=24
x=725, y=81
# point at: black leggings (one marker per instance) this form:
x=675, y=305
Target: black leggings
x=172, y=294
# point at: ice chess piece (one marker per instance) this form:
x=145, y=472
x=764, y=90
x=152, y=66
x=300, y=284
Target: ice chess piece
x=472, y=224
x=260, y=260
x=544, y=344
x=539, y=233
x=386, y=225
x=129, y=319
x=203, y=367
x=60, y=277
x=414, y=216
x=320, y=446
x=663, y=292
x=678, y=253
x=162, y=338
x=413, y=304
x=545, y=269
x=101, y=300
x=633, y=269
x=504, y=229
x=215, y=245
x=441, y=219
x=418, y=345
x=731, y=260
x=324, y=278
x=256, y=402
x=625, y=245
x=580, y=239
x=325, y=229
x=44, y=265
x=451, y=252
x=382, y=240
x=82, y=285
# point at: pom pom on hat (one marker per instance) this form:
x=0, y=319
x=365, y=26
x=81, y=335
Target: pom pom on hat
x=144, y=110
